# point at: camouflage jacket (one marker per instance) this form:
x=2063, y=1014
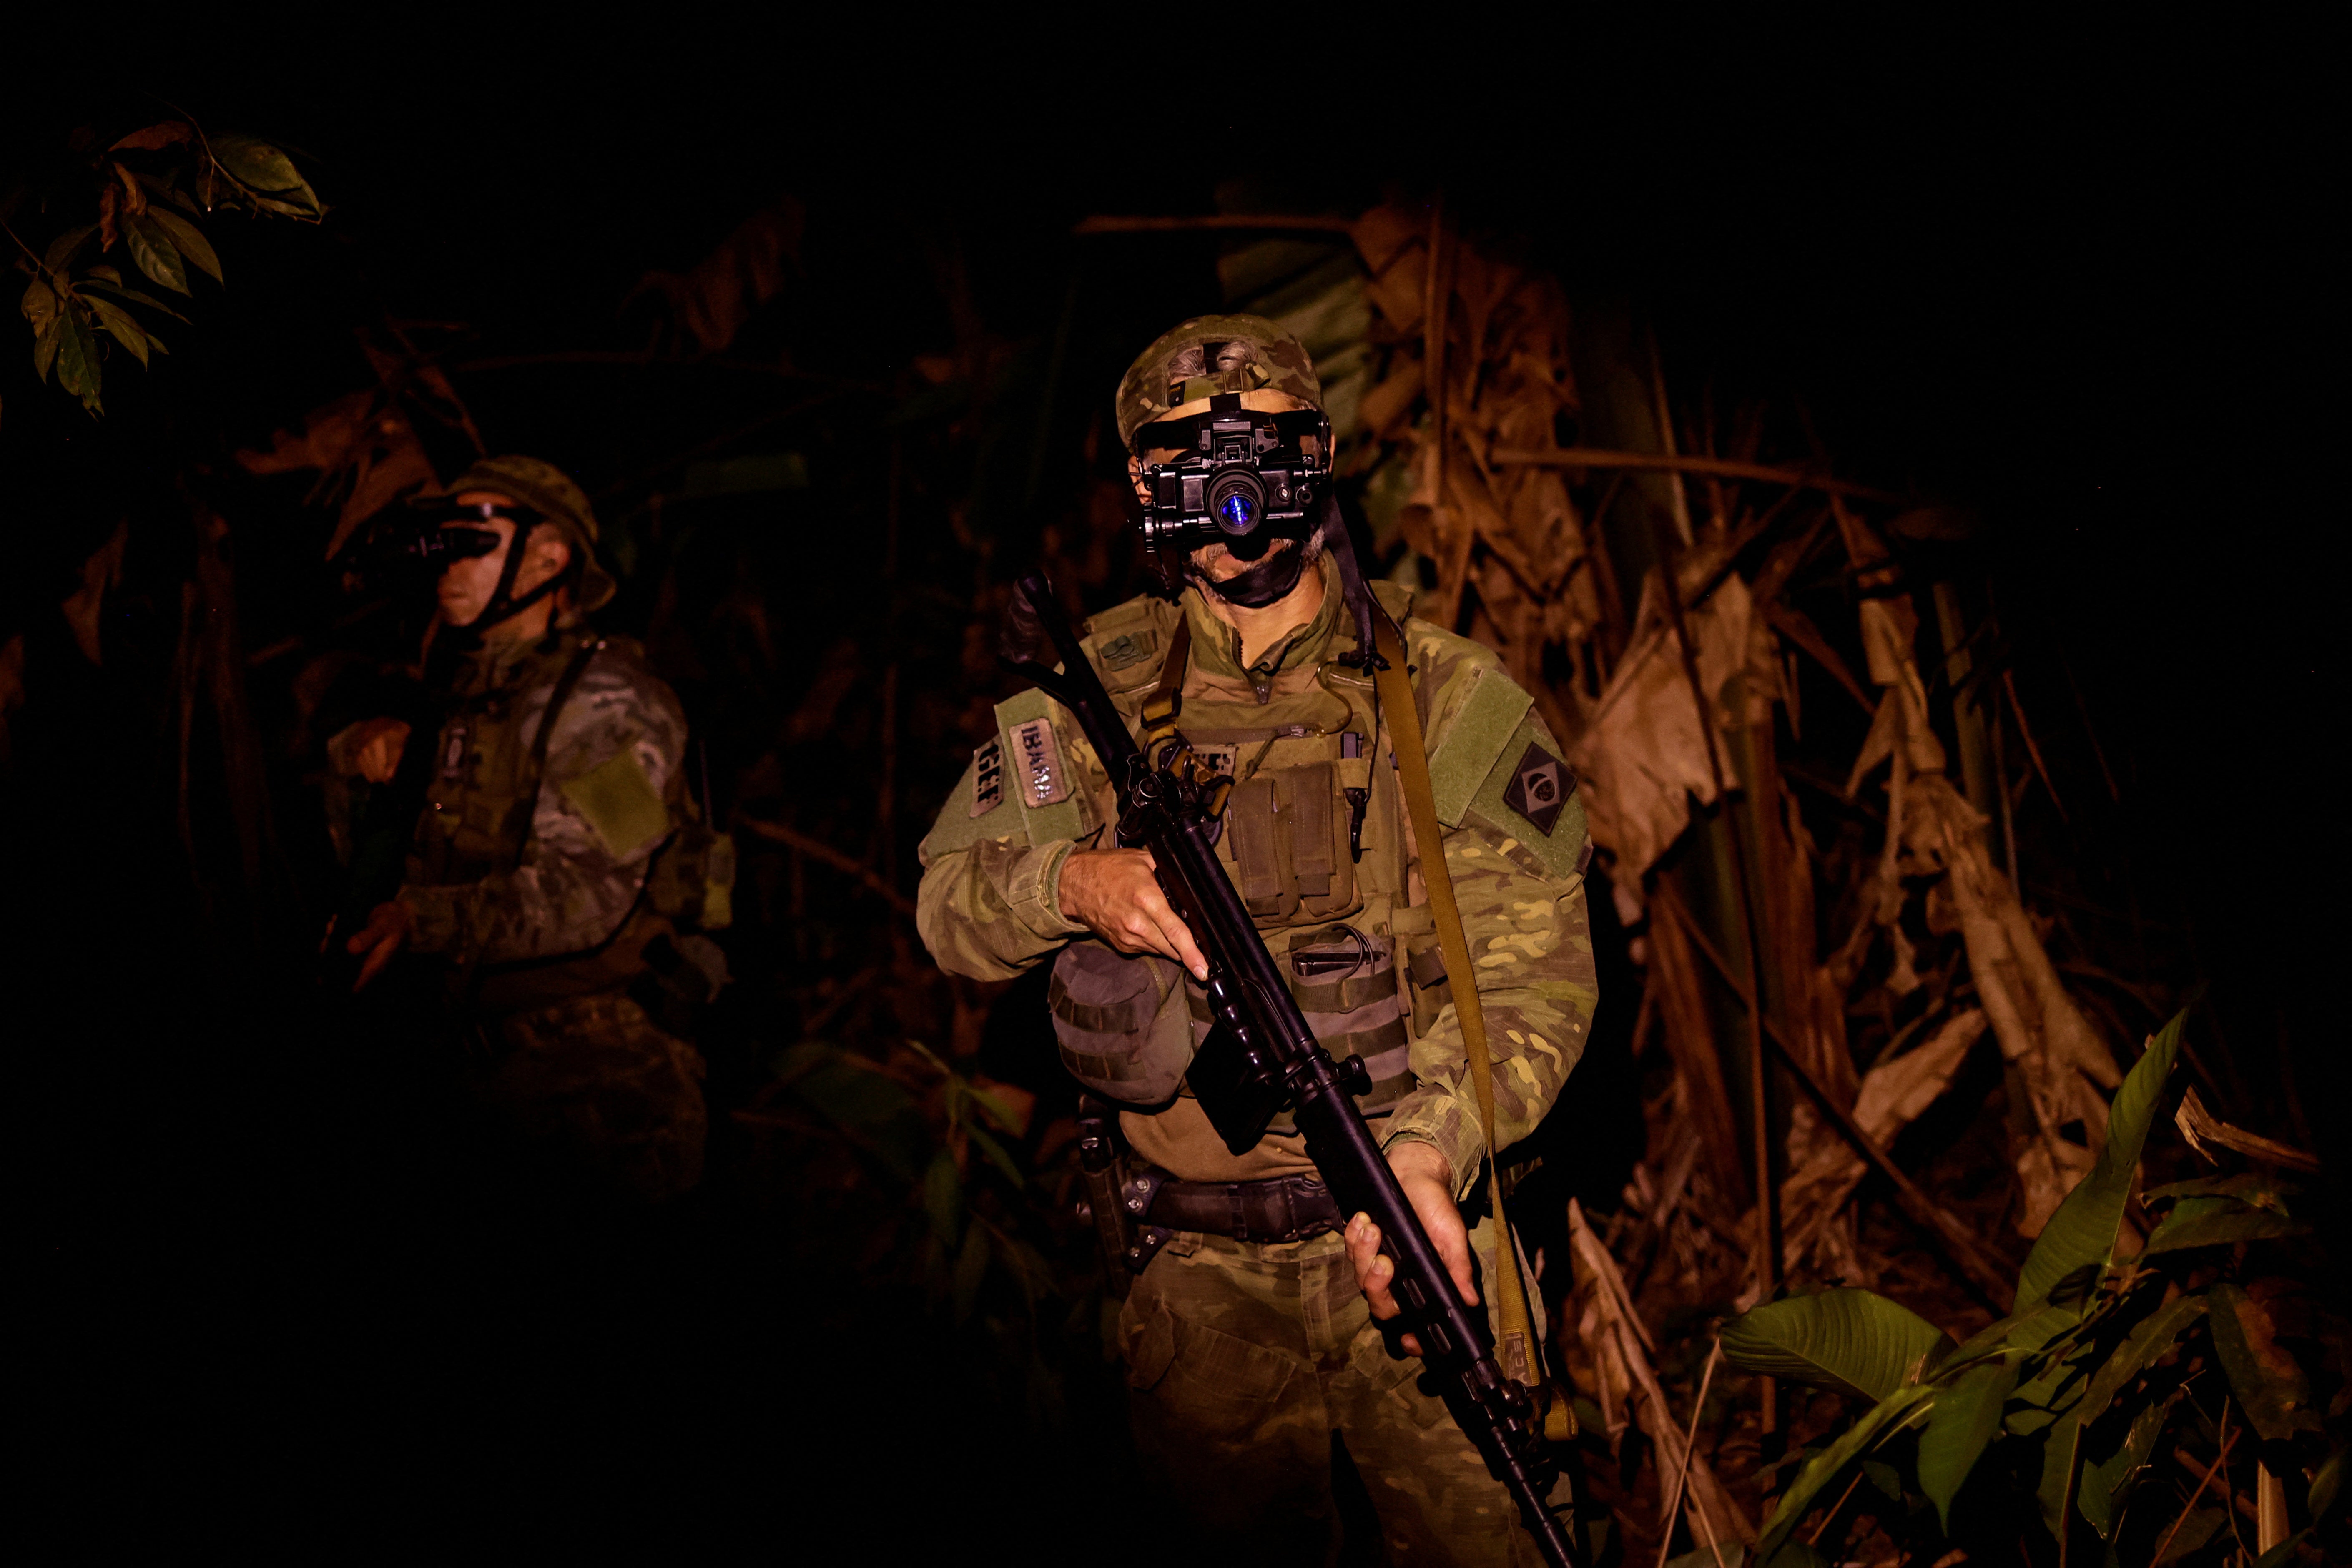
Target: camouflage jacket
x=502, y=873
x=989, y=902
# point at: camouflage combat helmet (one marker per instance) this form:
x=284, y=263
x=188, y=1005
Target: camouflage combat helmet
x=549, y=491
x=1210, y=354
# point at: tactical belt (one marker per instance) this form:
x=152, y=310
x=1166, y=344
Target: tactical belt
x=1281, y=1208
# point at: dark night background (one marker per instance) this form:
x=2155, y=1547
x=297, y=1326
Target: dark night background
x=2078, y=284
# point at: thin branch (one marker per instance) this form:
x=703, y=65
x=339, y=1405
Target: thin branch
x=2227, y=1438
x=1682, y=1471
x=818, y=849
x=1310, y=222
x=1725, y=468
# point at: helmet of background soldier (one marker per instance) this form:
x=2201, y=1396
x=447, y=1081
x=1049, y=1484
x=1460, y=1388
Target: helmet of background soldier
x=1210, y=354
x=549, y=491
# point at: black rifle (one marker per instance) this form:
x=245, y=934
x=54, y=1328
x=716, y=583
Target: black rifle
x=1261, y=1056
x=380, y=840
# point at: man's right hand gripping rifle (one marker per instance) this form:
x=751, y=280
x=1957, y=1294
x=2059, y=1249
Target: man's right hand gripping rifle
x=1163, y=890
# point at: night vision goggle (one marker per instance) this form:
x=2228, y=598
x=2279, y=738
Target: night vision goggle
x=1233, y=476
x=436, y=534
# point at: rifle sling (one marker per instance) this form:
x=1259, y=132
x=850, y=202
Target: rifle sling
x=1519, y=1355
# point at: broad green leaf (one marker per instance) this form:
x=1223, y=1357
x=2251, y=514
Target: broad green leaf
x=117, y=321
x=1966, y=1414
x=995, y=1154
x=2270, y=1384
x=971, y=1268
x=2150, y=1338
x=2106, y=1485
x=306, y=207
x=2286, y=1551
x=2195, y=1532
x=2324, y=1484
x=102, y=275
x=2060, y=1450
x=45, y=346
x=61, y=250
x=1792, y=1554
x=168, y=133
x=1884, y=1477
x=2258, y=1188
x=2232, y=1223
x=78, y=368
x=943, y=1198
x=190, y=240
x=136, y=297
x=254, y=163
x=40, y=305
x=1734, y=1555
x=2082, y=1231
x=1880, y=1422
x=156, y=255
x=1855, y=1342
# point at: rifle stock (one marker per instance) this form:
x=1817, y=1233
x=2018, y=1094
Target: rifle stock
x=1261, y=1056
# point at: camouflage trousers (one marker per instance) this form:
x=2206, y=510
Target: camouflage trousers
x=599, y=1107
x=1243, y=1360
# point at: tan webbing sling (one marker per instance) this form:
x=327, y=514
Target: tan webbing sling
x=1518, y=1351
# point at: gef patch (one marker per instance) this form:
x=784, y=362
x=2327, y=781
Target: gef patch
x=1045, y=781
x=1539, y=788
x=987, y=779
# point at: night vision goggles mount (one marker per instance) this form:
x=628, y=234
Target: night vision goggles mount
x=1237, y=477
x=433, y=535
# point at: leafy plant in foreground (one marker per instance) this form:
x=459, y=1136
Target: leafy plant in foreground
x=2058, y=1410
x=151, y=189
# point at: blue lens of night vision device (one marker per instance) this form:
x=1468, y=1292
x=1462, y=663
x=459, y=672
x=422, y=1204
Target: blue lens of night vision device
x=1238, y=510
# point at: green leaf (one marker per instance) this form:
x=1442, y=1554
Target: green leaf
x=156, y=255
x=1734, y=1556
x=190, y=240
x=2150, y=1338
x=1966, y=1414
x=136, y=297
x=40, y=305
x=971, y=1268
x=1882, y=1420
x=2286, y=1551
x=61, y=250
x=2082, y=1231
x=254, y=163
x=2269, y=1382
x=943, y=1197
x=1855, y=1342
x=995, y=1154
x=2200, y=1528
x=2324, y=1484
x=78, y=367
x=2258, y=1188
x=2060, y=1451
x=1885, y=1477
x=117, y=321
x=45, y=347
x=2108, y=1484
x=2192, y=1225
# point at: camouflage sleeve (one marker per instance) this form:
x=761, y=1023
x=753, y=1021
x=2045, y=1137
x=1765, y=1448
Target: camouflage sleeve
x=606, y=803
x=990, y=905
x=1532, y=948
x=1516, y=847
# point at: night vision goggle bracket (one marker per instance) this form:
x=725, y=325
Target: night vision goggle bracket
x=1233, y=476
x=437, y=535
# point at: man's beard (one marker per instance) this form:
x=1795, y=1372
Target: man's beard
x=1270, y=579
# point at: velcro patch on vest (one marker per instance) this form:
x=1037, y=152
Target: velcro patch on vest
x=1539, y=788
x=1129, y=648
x=987, y=779
x=618, y=801
x=1045, y=780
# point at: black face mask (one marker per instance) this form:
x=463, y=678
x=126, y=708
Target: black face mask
x=1275, y=575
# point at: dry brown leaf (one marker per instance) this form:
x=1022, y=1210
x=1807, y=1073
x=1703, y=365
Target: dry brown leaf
x=710, y=304
x=1620, y=1348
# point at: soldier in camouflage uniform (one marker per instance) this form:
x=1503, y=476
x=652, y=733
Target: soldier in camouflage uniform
x=559, y=780
x=1248, y=1332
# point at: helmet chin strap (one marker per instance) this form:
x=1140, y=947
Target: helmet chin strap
x=1275, y=575
x=504, y=605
